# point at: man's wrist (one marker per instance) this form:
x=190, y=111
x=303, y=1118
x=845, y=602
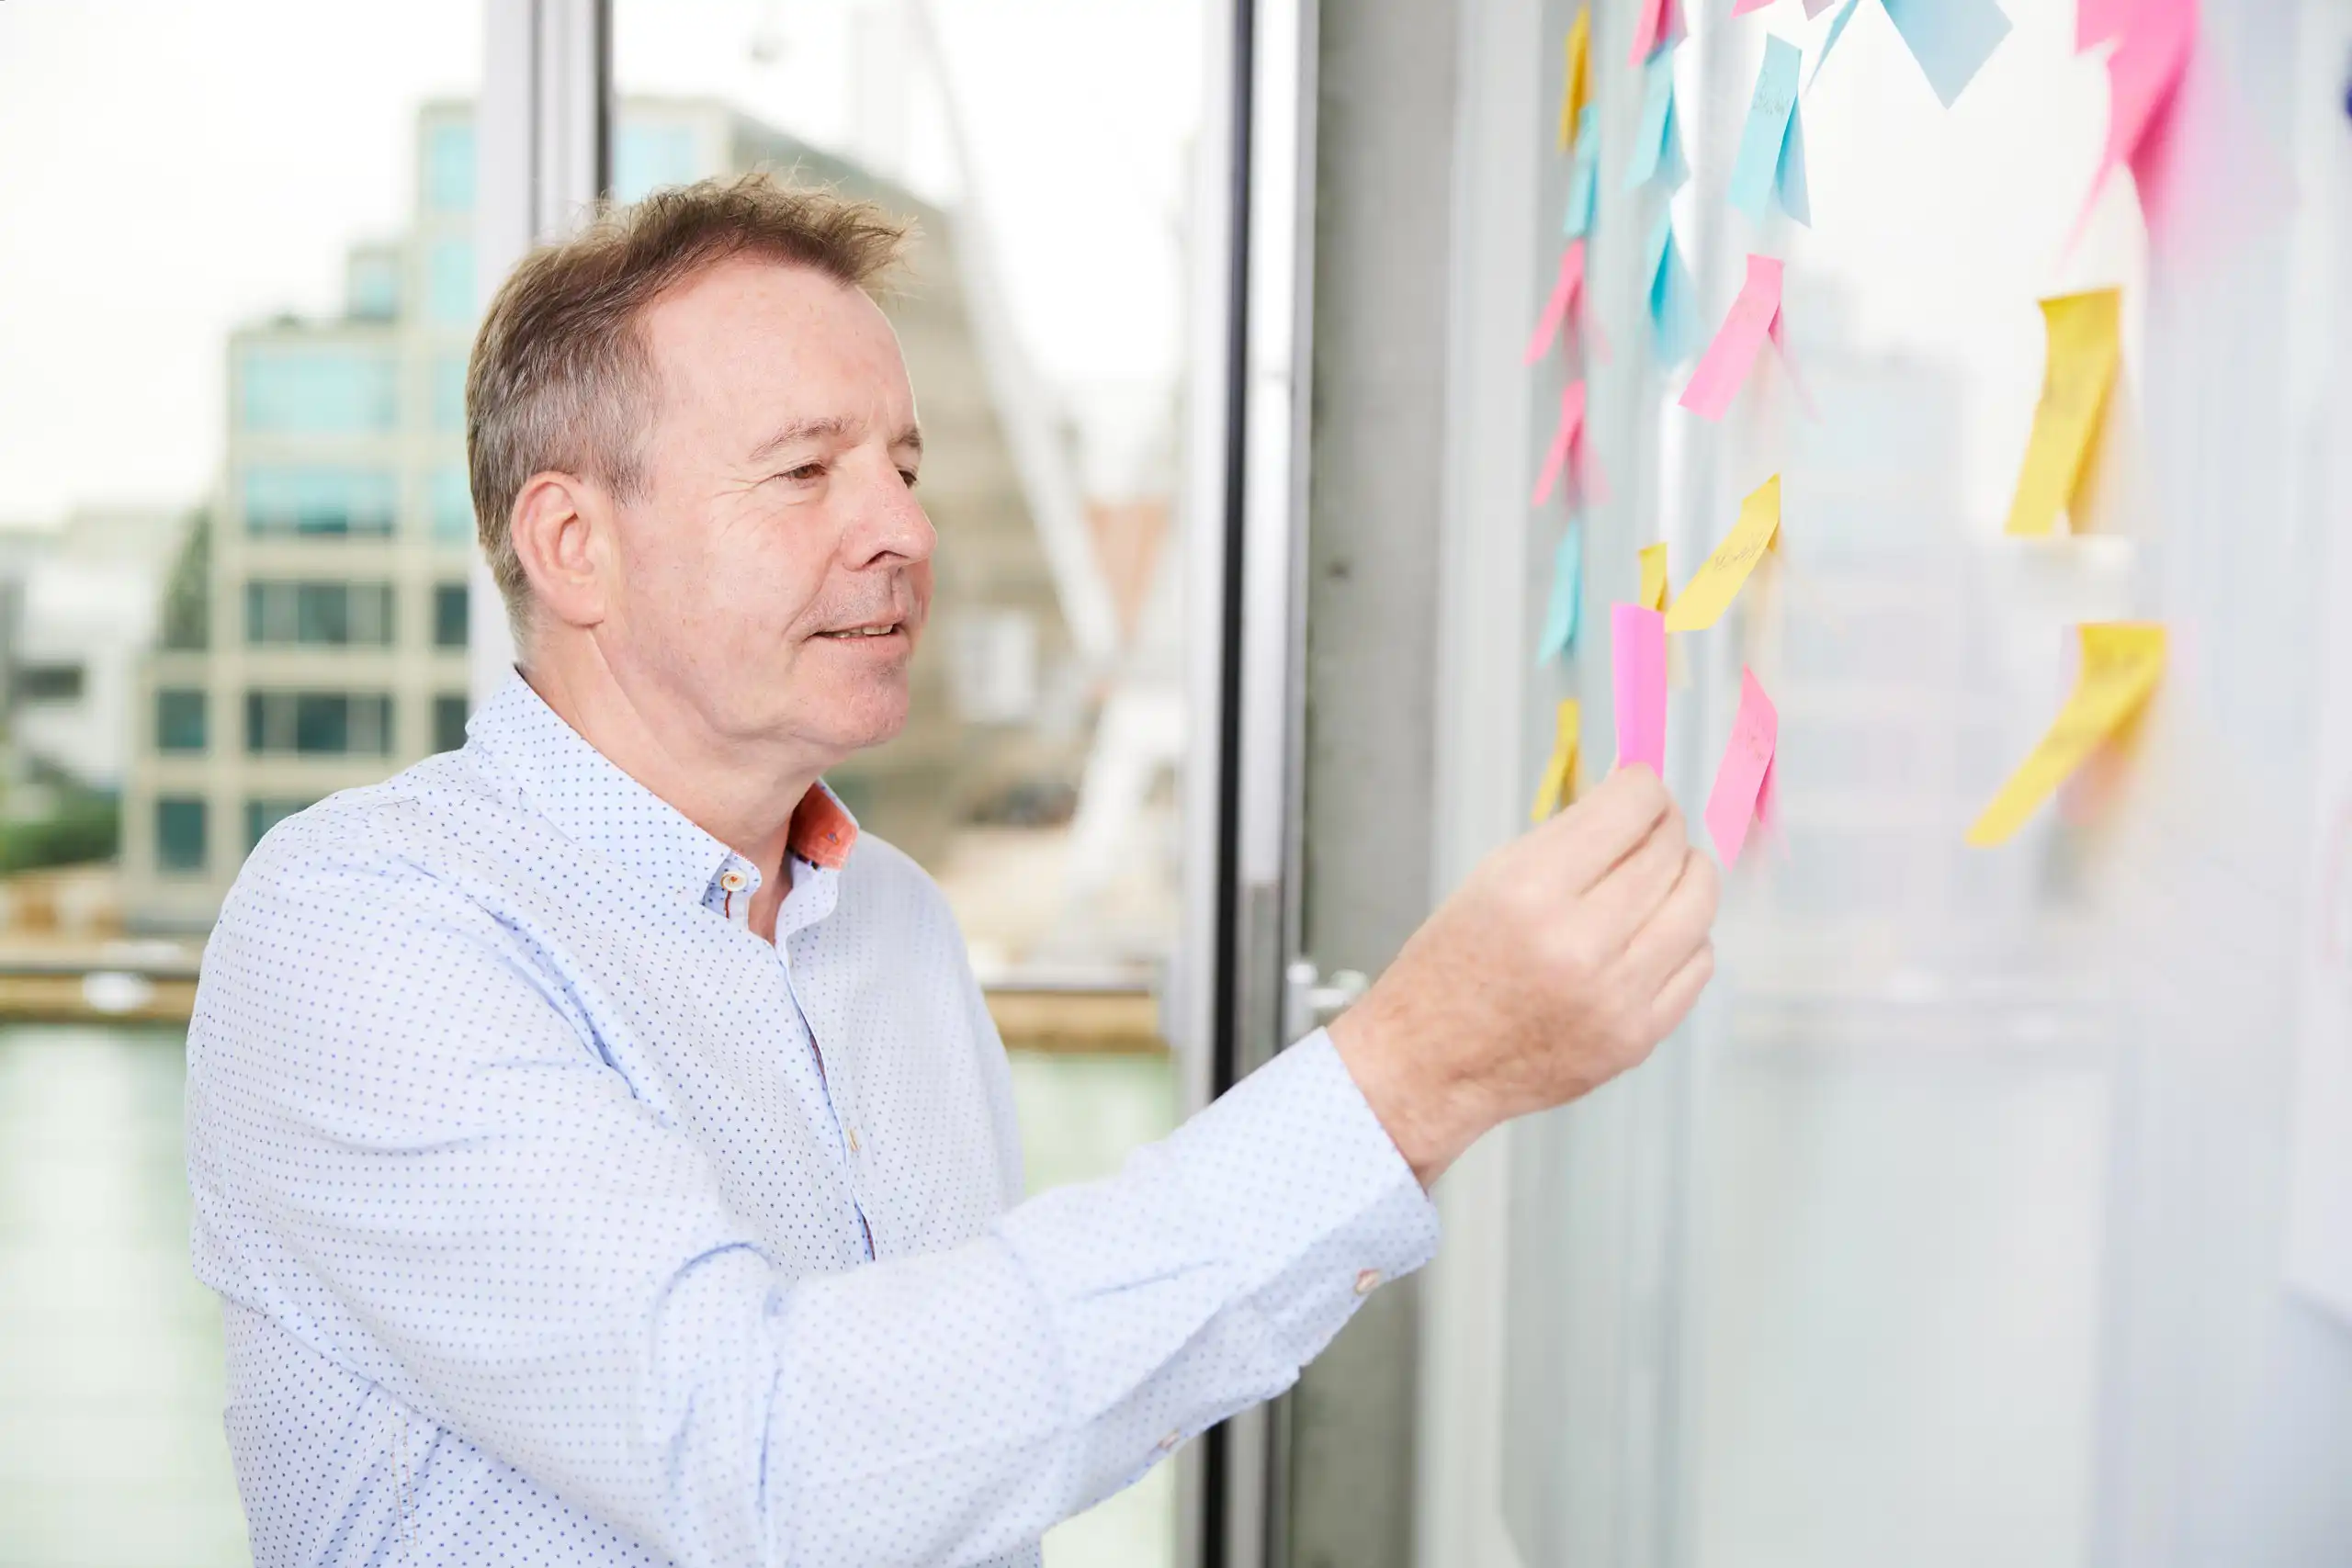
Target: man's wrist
x=1429, y=1113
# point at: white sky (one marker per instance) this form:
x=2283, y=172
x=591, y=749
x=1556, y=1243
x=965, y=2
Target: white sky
x=171, y=170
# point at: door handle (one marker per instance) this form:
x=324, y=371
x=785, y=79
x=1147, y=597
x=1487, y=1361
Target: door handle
x=1310, y=1001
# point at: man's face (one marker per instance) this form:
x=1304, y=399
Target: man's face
x=775, y=568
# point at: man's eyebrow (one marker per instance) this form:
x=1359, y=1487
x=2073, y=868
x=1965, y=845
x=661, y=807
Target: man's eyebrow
x=832, y=425
x=910, y=436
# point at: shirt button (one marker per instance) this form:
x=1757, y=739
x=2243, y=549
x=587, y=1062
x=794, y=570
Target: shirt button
x=1168, y=1444
x=1367, y=1281
x=732, y=880
x=852, y=1140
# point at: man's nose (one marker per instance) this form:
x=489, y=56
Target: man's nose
x=891, y=524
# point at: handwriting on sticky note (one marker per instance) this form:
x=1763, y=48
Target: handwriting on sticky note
x=1558, y=786
x=1949, y=38
x=2121, y=661
x=1771, y=161
x=1739, y=795
x=1654, y=590
x=1638, y=655
x=1717, y=582
x=1753, y=318
x=1657, y=140
x=2085, y=344
x=1576, y=77
x=1567, y=604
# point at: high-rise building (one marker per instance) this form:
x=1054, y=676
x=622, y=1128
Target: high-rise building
x=315, y=631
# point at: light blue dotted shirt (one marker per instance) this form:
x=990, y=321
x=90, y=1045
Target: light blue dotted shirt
x=558, y=1219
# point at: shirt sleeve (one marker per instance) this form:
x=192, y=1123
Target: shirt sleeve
x=457, y=1198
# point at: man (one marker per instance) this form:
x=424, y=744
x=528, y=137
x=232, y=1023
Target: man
x=601, y=1149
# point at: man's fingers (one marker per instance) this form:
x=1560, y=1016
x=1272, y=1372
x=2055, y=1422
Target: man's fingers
x=1678, y=927
x=1592, y=836
x=1625, y=899
x=1681, y=990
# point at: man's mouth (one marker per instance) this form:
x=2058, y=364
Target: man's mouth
x=853, y=634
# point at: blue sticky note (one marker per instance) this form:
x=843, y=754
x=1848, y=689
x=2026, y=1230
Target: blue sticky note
x=1829, y=40
x=1584, y=180
x=1772, y=130
x=1796, y=198
x=1949, y=38
x=1567, y=596
x=1674, y=318
x=1657, y=144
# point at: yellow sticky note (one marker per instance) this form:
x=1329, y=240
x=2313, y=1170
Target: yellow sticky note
x=1558, y=787
x=1654, y=592
x=1577, y=83
x=1716, y=583
x=2085, y=345
x=2121, y=661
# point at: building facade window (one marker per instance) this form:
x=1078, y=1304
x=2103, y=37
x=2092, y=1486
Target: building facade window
x=263, y=814
x=646, y=158
x=449, y=721
x=48, y=683
x=449, y=394
x=180, y=833
x=371, y=286
x=452, y=506
x=321, y=500
x=449, y=168
x=319, y=724
x=293, y=388
x=449, y=283
x=327, y=614
x=448, y=614
x=179, y=719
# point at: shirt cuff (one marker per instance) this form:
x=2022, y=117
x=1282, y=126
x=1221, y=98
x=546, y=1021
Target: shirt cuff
x=1322, y=1207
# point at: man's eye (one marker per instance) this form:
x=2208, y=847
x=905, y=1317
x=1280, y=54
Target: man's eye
x=907, y=475
x=806, y=471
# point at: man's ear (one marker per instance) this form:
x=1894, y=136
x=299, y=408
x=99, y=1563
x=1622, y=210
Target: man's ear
x=561, y=530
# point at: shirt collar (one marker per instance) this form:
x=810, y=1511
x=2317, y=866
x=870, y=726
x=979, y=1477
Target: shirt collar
x=589, y=799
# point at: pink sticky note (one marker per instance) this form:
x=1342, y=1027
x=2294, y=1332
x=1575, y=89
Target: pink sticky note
x=1656, y=24
x=2099, y=20
x=1564, y=441
x=1738, y=798
x=1637, y=657
x=2154, y=39
x=2210, y=177
x=1563, y=297
x=1744, y=6
x=1753, y=318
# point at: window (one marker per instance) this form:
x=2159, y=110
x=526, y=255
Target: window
x=449, y=166
x=319, y=724
x=179, y=833
x=321, y=500
x=261, y=815
x=48, y=683
x=301, y=388
x=449, y=721
x=647, y=157
x=452, y=506
x=449, y=394
x=371, y=283
x=449, y=283
x=330, y=614
x=179, y=719
x=448, y=614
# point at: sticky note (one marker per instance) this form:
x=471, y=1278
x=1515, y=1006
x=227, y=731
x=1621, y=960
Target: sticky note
x=1566, y=604
x=1637, y=651
x=2085, y=346
x=1657, y=140
x=1584, y=178
x=1570, y=454
x=1949, y=38
x=1771, y=161
x=1717, y=582
x=1654, y=590
x=1754, y=317
x=2121, y=661
x=2153, y=42
x=1739, y=795
x=1829, y=40
x=1576, y=78
x=1565, y=290
x=1814, y=7
x=1657, y=26
x=1674, y=320
x=1558, y=786
x=1744, y=6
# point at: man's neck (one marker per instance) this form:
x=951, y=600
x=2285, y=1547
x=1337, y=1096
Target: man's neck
x=741, y=794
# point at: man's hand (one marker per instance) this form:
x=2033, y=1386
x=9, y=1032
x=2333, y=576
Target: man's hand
x=1562, y=960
